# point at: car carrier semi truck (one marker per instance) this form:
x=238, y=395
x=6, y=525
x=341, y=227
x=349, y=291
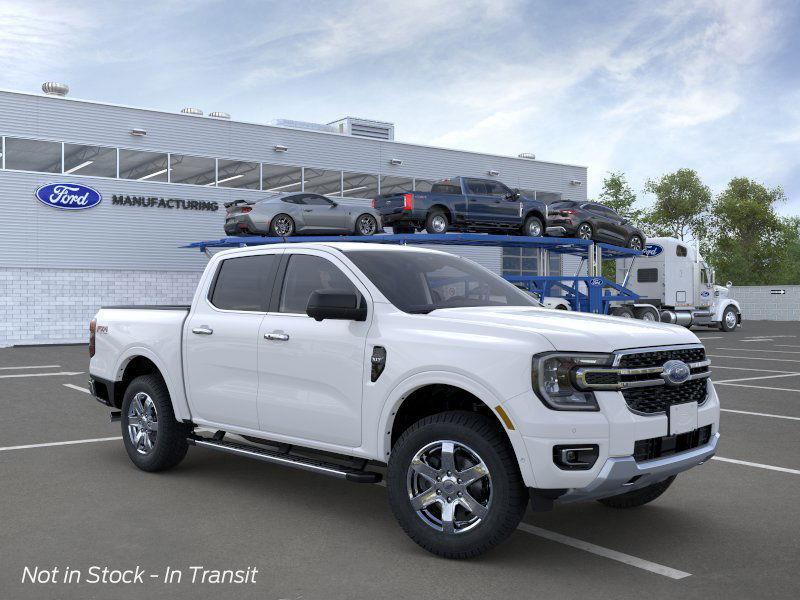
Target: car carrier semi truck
x=675, y=285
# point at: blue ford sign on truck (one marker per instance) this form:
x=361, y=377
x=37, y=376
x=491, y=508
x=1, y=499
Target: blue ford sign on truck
x=68, y=196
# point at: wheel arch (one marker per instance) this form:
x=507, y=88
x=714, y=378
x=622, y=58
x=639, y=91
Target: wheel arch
x=535, y=212
x=724, y=305
x=444, y=208
x=430, y=393
x=141, y=361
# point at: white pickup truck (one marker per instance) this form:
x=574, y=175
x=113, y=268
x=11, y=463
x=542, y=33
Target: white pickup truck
x=345, y=358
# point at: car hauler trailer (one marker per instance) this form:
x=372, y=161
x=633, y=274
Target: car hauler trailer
x=591, y=293
x=675, y=285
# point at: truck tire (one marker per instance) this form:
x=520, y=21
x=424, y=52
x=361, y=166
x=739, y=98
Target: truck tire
x=729, y=319
x=638, y=497
x=622, y=311
x=281, y=226
x=533, y=227
x=154, y=440
x=646, y=313
x=437, y=221
x=452, y=516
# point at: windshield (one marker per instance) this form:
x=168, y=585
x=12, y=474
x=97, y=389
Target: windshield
x=419, y=282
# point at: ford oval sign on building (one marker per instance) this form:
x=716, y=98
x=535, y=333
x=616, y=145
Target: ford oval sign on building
x=652, y=250
x=68, y=196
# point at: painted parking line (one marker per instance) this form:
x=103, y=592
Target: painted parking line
x=31, y=367
x=759, y=340
x=757, y=414
x=711, y=337
x=787, y=346
x=791, y=360
x=757, y=465
x=16, y=375
x=77, y=388
x=751, y=369
x=759, y=377
x=758, y=387
x=633, y=561
x=755, y=350
x=67, y=443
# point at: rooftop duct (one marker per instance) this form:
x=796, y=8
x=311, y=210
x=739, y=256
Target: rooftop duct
x=51, y=88
x=219, y=115
x=376, y=130
x=192, y=111
x=303, y=125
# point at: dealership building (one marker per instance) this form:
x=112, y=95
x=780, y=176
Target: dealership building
x=161, y=180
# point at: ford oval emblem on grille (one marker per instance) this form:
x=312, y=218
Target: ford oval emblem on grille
x=676, y=372
x=68, y=196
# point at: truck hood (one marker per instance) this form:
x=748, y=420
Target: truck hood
x=572, y=331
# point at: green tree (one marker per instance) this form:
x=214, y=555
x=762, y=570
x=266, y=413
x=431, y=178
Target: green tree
x=681, y=205
x=618, y=195
x=750, y=244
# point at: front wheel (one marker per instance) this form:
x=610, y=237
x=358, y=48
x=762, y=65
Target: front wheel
x=454, y=484
x=638, y=497
x=584, y=231
x=533, y=227
x=729, y=319
x=366, y=225
x=154, y=440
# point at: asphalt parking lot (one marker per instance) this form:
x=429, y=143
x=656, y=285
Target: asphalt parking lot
x=730, y=528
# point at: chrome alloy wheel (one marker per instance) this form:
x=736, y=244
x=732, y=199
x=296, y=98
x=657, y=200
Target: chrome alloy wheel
x=449, y=486
x=142, y=423
x=585, y=231
x=534, y=228
x=283, y=226
x=635, y=243
x=730, y=319
x=439, y=224
x=367, y=225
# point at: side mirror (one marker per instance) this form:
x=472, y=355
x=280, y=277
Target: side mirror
x=336, y=304
x=729, y=285
x=334, y=204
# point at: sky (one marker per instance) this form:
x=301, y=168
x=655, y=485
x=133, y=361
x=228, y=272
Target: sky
x=639, y=87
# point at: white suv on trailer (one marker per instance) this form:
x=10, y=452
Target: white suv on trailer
x=342, y=358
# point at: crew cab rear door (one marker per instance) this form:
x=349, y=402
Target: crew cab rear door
x=311, y=373
x=221, y=341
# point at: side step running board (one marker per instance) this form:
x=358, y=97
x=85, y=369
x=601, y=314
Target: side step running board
x=287, y=460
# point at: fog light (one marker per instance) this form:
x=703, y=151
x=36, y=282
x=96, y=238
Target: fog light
x=576, y=458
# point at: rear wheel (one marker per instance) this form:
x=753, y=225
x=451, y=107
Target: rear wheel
x=366, y=224
x=647, y=314
x=635, y=243
x=729, y=319
x=622, y=311
x=533, y=227
x=584, y=231
x=154, y=440
x=281, y=226
x=436, y=222
x=454, y=484
x=638, y=497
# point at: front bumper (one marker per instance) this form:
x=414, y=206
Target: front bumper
x=623, y=474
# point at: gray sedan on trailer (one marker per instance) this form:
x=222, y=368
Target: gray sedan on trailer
x=286, y=214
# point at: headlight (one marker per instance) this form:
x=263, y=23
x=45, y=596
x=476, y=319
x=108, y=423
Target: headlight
x=553, y=379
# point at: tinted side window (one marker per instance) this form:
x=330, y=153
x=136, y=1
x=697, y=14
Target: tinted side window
x=317, y=200
x=647, y=275
x=681, y=251
x=495, y=188
x=244, y=283
x=294, y=199
x=306, y=274
x=445, y=188
x=476, y=186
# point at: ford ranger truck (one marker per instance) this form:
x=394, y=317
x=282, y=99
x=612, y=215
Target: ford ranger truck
x=360, y=361
x=464, y=204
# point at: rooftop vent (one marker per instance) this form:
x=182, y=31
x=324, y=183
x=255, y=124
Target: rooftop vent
x=192, y=111
x=376, y=130
x=51, y=88
x=303, y=125
x=219, y=115
x=527, y=155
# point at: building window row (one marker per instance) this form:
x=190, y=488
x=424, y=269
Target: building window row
x=23, y=154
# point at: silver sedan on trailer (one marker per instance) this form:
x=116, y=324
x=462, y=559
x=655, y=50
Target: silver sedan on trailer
x=303, y=213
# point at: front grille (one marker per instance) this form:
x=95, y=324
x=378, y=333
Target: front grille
x=654, y=448
x=658, y=399
x=656, y=358
x=602, y=378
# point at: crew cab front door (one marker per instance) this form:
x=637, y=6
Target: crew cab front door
x=488, y=204
x=311, y=372
x=221, y=341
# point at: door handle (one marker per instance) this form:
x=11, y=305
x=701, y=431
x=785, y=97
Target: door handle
x=277, y=337
x=204, y=330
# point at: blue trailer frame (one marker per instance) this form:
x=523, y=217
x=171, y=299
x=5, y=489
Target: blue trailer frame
x=588, y=293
